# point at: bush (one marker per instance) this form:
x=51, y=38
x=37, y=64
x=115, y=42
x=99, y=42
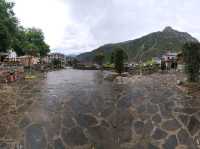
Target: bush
x=191, y=54
x=119, y=60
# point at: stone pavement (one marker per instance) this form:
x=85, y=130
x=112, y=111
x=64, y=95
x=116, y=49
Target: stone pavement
x=146, y=112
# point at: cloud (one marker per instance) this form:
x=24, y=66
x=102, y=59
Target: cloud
x=75, y=26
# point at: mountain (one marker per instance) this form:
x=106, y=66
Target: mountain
x=146, y=47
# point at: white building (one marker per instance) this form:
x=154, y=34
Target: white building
x=170, y=56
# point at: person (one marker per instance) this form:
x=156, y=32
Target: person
x=163, y=65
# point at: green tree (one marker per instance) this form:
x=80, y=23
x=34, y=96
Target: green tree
x=99, y=58
x=119, y=60
x=20, y=41
x=8, y=25
x=36, y=37
x=191, y=54
x=112, y=56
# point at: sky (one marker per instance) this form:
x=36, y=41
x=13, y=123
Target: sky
x=77, y=26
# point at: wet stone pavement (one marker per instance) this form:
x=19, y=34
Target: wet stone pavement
x=73, y=109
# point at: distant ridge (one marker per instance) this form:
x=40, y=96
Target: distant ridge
x=146, y=47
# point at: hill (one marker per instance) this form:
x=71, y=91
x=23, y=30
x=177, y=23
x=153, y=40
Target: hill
x=146, y=47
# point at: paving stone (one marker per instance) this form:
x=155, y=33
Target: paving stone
x=151, y=146
x=157, y=100
x=86, y=120
x=157, y=118
x=170, y=143
x=159, y=134
x=58, y=144
x=139, y=127
x=148, y=127
x=152, y=108
x=141, y=108
x=171, y=125
x=4, y=146
x=184, y=119
x=139, y=146
x=35, y=137
x=197, y=140
x=75, y=136
x=68, y=121
x=187, y=110
x=165, y=113
x=24, y=122
x=193, y=126
x=185, y=139
x=3, y=130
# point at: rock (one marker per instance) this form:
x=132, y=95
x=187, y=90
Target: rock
x=179, y=82
x=75, y=136
x=151, y=108
x=187, y=110
x=171, y=125
x=165, y=112
x=193, y=126
x=3, y=130
x=157, y=118
x=184, y=119
x=87, y=120
x=159, y=134
x=184, y=138
x=151, y=146
x=148, y=127
x=170, y=143
x=139, y=127
x=24, y=122
x=139, y=146
x=68, y=121
x=111, y=77
x=58, y=144
x=125, y=74
x=35, y=137
x=141, y=108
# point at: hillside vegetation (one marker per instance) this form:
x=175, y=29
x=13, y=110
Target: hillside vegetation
x=146, y=47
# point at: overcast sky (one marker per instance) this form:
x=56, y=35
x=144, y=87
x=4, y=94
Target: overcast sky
x=75, y=26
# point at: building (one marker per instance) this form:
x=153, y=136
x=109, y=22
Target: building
x=170, y=56
x=56, y=56
x=170, y=60
x=27, y=60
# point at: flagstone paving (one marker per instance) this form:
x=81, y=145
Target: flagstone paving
x=73, y=109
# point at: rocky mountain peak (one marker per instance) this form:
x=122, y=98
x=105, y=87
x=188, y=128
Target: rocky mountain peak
x=168, y=29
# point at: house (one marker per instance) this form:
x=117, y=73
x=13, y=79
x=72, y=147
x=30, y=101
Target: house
x=170, y=56
x=170, y=60
x=28, y=60
x=56, y=56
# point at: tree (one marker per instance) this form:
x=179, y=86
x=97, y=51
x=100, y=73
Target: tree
x=119, y=60
x=99, y=58
x=8, y=25
x=36, y=37
x=20, y=41
x=112, y=56
x=191, y=54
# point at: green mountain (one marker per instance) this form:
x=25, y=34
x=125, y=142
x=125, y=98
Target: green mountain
x=146, y=47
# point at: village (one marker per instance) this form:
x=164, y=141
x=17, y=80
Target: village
x=13, y=67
